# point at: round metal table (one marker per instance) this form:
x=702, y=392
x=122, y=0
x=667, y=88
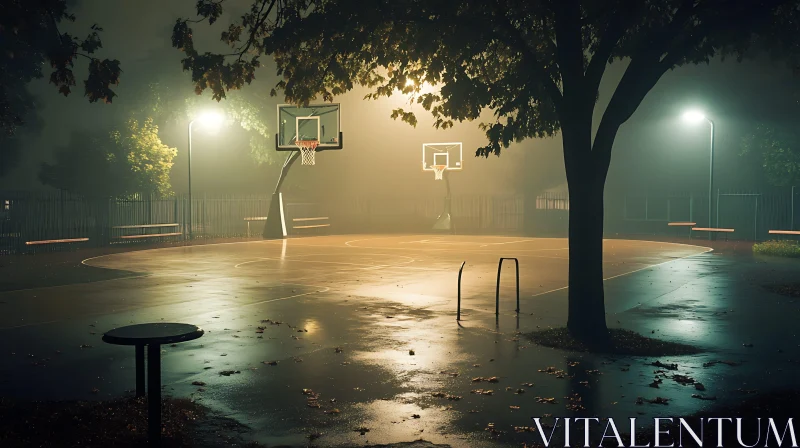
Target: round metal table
x=153, y=335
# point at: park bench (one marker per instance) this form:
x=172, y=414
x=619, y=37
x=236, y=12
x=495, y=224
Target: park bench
x=145, y=228
x=56, y=241
x=713, y=230
x=785, y=232
x=683, y=224
x=253, y=218
x=305, y=224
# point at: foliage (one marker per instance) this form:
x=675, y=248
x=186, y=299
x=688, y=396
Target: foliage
x=778, y=151
x=524, y=60
x=119, y=422
x=166, y=102
x=147, y=157
x=119, y=163
x=31, y=39
x=779, y=248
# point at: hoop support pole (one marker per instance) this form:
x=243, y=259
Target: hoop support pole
x=497, y=291
x=458, y=309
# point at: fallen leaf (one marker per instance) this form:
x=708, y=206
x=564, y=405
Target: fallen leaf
x=665, y=366
x=482, y=392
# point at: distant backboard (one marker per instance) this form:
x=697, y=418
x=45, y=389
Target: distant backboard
x=316, y=122
x=448, y=154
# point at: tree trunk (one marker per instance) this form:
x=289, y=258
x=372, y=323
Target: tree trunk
x=586, y=180
x=587, y=319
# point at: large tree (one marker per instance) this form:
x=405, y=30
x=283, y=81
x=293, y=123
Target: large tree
x=121, y=162
x=31, y=41
x=777, y=150
x=536, y=64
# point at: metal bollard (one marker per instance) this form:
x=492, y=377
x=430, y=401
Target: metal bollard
x=458, y=311
x=497, y=292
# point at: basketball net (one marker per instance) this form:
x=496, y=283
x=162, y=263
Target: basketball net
x=438, y=170
x=307, y=150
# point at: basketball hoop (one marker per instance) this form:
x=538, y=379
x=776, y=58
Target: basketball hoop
x=438, y=170
x=307, y=150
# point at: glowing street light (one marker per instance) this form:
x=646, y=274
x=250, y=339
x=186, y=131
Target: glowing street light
x=696, y=116
x=212, y=120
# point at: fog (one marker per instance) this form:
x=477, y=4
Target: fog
x=382, y=157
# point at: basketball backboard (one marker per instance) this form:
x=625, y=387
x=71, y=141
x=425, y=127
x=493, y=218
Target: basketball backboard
x=319, y=122
x=448, y=154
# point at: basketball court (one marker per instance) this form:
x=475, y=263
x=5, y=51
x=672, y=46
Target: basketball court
x=338, y=314
x=415, y=270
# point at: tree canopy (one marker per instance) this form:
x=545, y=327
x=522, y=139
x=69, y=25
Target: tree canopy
x=777, y=150
x=30, y=36
x=118, y=163
x=167, y=101
x=524, y=60
x=31, y=39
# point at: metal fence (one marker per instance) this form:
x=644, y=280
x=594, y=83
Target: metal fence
x=59, y=220
x=752, y=214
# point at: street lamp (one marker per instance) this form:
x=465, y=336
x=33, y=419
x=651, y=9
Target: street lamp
x=696, y=116
x=209, y=119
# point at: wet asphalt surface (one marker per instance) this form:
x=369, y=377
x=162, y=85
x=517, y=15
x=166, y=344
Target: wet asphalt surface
x=340, y=317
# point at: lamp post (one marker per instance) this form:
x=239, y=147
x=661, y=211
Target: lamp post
x=694, y=116
x=211, y=119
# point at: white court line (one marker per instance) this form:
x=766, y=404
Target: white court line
x=634, y=271
x=166, y=248
x=324, y=290
x=505, y=242
x=409, y=260
x=305, y=261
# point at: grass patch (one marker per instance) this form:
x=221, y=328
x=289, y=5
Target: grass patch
x=622, y=342
x=102, y=424
x=778, y=248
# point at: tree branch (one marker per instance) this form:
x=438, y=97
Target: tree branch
x=569, y=45
x=254, y=29
x=537, y=68
x=620, y=20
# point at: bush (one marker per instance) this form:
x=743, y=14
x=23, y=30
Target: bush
x=779, y=248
